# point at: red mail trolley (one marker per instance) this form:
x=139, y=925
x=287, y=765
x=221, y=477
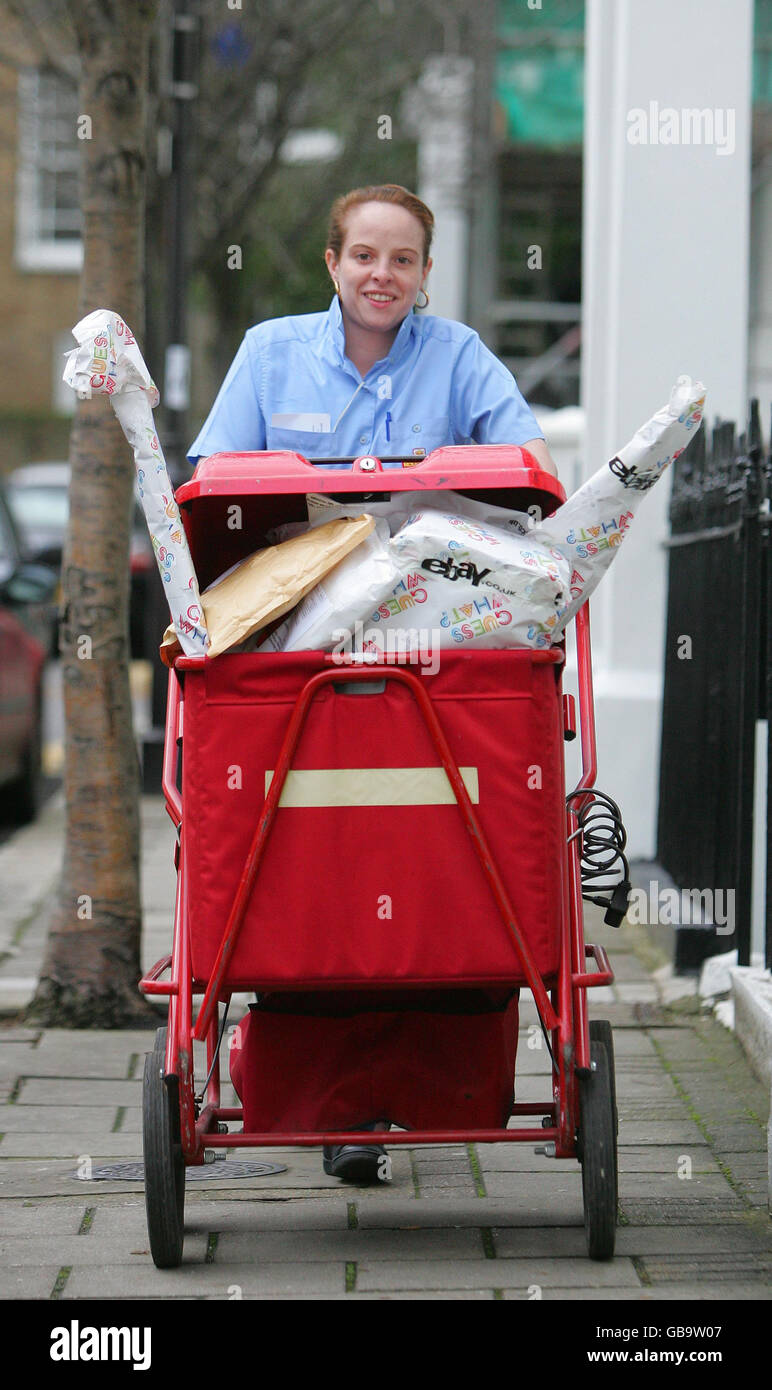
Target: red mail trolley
x=380, y=851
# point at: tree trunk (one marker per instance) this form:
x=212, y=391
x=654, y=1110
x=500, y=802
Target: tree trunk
x=92, y=966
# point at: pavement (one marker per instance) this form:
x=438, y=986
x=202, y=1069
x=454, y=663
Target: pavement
x=470, y=1222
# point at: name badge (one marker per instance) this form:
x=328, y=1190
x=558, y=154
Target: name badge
x=309, y=423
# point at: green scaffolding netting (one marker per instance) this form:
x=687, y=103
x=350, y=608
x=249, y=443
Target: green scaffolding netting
x=540, y=73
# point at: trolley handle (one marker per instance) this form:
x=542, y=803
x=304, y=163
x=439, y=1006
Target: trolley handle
x=604, y=975
x=170, y=765
x=586, y=701
x=150, y=983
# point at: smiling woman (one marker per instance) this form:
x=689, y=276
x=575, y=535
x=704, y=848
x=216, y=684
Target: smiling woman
x=369, y=375
x=378, y=257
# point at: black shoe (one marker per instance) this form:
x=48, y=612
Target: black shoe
x=358, y=1163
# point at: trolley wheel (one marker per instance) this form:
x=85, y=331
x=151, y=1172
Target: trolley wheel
x=164, y=1162
x=600, y=1029
x=597, y=1150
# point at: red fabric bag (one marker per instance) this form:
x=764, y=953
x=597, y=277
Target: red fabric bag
x=370, y=877
x=417, y=1069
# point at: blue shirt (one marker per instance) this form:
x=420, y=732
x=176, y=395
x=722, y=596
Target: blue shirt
x=291, y=386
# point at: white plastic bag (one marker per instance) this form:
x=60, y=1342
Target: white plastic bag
x=468, y=571
x=346, y=594
x=108, y=362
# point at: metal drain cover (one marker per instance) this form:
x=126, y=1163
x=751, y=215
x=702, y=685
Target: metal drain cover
x=218, y=1171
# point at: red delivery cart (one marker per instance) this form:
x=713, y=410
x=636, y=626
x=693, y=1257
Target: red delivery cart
x=368, y=849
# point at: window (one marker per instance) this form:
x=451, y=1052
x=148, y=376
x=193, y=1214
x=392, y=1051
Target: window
x=48, y=219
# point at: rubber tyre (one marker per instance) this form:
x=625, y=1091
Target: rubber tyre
x=598, y=1155
x=600, y=1030
x=164, y=1163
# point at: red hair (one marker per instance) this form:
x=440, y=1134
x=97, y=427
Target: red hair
x=377, y=193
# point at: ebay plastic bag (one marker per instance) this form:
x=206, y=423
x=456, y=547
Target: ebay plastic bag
x=469, y=571
x=567, y=553
x=591, y=524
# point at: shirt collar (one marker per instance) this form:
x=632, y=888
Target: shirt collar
x=336, y=336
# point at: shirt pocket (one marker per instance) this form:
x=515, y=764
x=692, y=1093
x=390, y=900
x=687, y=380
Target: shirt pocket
x=421, y=432
x=310, y=444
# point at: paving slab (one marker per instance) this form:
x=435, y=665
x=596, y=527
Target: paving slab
x=745, y=1267
x=28, y=1281
x=696, y=1291
x=497, y=1274
x=650, y=1083
x=546, y=1205
x=668, y=1185
x=632, y=1045
x=44, y=1218
x=102, y=1055
x=445, y=1182
x=637, y=1242
x=521, y=1158
x=66, y=1093
x=88, y=1249
x=417, y=1295
x=194, y=1280
x=93, y=1143
x=640, y=1111
x=16, y=1058
x=252, y=1214
x=246, y=1247
x=667, y=1158
x=652, y=1133
x=742, y=1135
x=637, y=992
x=456, y=1211
x=44, y=1119
x=669, y=1212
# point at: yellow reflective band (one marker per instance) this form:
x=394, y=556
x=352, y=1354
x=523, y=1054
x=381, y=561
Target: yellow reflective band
x=373, y=786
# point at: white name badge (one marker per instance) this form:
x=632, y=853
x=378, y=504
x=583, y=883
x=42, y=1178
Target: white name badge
x=309, y=422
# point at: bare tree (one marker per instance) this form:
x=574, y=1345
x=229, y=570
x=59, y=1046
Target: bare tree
x=341, y=65
x=91, y=968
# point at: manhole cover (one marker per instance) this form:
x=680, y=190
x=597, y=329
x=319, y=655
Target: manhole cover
x=134, y=1171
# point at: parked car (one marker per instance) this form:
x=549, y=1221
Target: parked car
x=26, y=593
x=39, y=495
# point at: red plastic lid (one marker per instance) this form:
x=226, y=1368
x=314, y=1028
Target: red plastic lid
x=454, y=466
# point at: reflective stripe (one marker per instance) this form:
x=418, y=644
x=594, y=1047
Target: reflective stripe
x=373, y=786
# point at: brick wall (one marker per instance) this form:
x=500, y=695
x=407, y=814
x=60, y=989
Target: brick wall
x=35, y=309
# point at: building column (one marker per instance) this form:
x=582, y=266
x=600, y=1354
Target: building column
x=665, y=292
x=441, y=116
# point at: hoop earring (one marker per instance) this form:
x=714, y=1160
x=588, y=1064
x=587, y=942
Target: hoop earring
x=337, y=288
x=426, y=299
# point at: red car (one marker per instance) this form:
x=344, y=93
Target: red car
x=38, y=495
x=26, y=593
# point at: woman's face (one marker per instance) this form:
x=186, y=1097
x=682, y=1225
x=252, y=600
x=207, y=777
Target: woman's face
x=381, y=267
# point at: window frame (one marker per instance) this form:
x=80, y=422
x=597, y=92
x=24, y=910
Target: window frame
x=35, y=248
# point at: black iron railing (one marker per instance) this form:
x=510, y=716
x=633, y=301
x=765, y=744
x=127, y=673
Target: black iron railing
x=718, y=683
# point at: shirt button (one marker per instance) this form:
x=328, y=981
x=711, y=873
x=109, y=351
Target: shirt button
x=363, y=439
x=416, y=429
